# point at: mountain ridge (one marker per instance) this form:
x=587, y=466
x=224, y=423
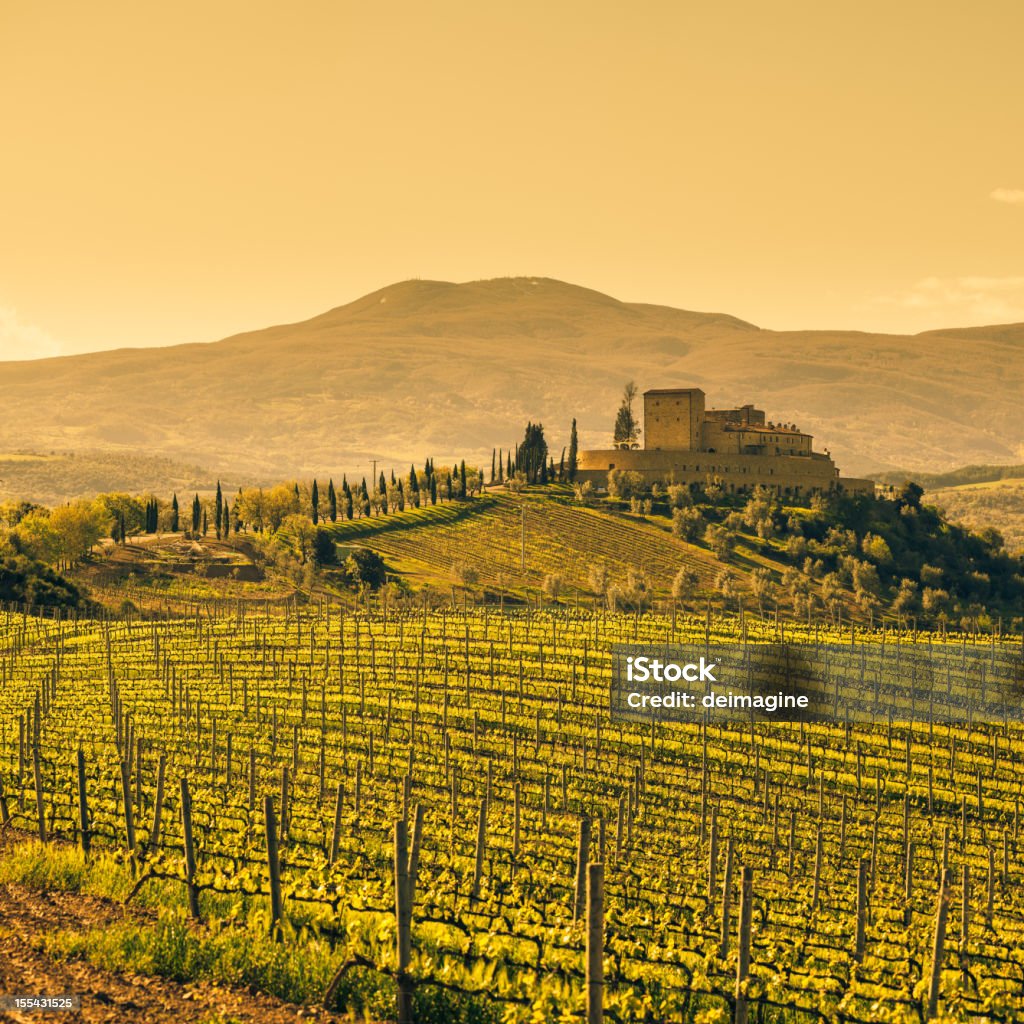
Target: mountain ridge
x=451, y=370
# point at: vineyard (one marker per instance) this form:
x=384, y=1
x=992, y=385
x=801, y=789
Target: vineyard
x=438, y=807
x=560, y=538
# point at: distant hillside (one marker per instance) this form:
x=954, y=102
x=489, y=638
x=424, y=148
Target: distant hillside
x=450, y=370
x=977, y=496
x=995, y=504
x=955, y=477
x=51, y=478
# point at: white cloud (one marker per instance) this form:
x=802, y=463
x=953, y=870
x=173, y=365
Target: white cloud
x=19, y=340
x=963, y=301
x=1007, y=195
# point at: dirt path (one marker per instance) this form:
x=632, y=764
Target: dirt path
x=110, y=995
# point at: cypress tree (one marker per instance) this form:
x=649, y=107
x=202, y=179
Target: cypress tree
x=174, y=514
x=226, y=524
x=532, y=455
x=332, y=501
x=348, y=504
x=401, y=497
x=462, y=479
x=501, y=467
x=433, y=489
x=315, y=500
x=219, y=509
x=196, y=514
x=204, y=522
x=493, y=459
x=508, y=465
x=573, y=452
x=414, y=488
x=561, y=466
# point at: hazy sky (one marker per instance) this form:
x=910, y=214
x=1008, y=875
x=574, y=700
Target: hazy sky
x=180, y=172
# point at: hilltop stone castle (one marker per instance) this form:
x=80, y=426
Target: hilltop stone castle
x=686, y=443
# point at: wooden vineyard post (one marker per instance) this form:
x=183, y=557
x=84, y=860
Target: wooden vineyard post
x=336, y=832
x=595, y=943
x=743, y=959
x=158, y=805
x=5, y=811
x=723, y=945
x=619, y=829
x=37, y=778
x=129, y=813
x=862, y=908
x=582, y=859
x=83, y=805
x=990, y=885
x=273, y=861
x=939, y=946
x=908, y=885
x=285, y=797
x=403, y=920
x=713, y=855
x=252, y=779
x=816, y=892
x=190, y=850
x=481, y=842
x=965, y=919
x=516, y=816
x=414, y=850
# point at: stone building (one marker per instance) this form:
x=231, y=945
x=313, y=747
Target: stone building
x=684, y=442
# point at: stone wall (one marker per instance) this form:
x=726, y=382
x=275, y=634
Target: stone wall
x=795, y=475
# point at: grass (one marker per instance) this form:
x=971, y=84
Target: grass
x=238, y=951
x=172, y=947
x=236, y=948
x=65, y=869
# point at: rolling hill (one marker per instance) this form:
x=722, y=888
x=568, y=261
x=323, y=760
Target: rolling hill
x=998, y=504
x=451, y=370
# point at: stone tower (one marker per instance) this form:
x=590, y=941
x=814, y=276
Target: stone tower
x=674, y=419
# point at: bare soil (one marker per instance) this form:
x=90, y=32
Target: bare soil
x=112, y=995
